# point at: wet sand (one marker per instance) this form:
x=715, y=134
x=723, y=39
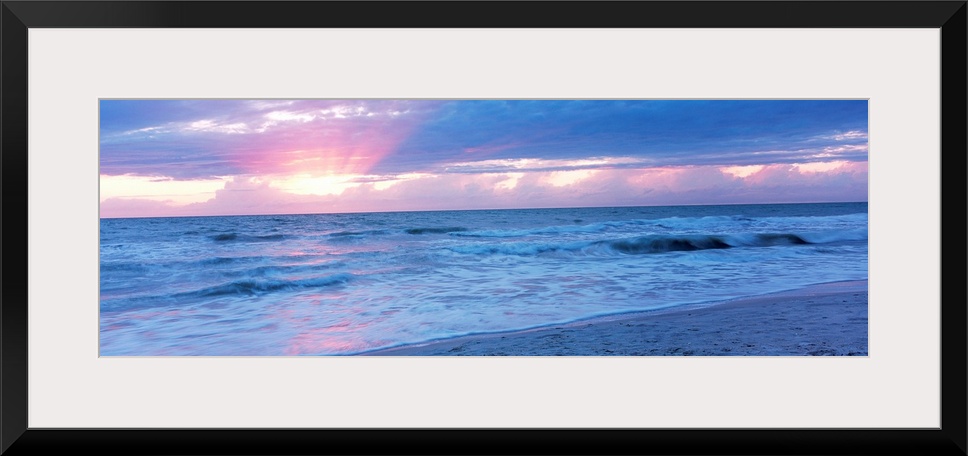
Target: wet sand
x=827, y=319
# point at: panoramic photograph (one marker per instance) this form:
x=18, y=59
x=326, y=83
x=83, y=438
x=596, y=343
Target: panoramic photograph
x=439, y=227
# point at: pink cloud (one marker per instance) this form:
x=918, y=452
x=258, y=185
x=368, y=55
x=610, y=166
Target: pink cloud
x=605, y=187
x=136, y=207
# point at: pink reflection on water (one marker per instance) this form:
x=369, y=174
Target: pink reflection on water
x=114, y=327
x=340, y=337
x=321, y=324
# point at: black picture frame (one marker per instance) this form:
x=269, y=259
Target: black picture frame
x=18, y=16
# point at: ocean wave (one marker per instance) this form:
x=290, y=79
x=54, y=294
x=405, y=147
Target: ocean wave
x=663, y=244
x=252, y=287
x=592, y=228
x=435, y=230
x=225, y=237
x=657, y=244
x=356, y=233
x=666, y=224
x=631, y=246
x=245, y=287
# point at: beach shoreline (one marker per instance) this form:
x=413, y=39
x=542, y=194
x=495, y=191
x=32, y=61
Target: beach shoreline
x=822, y=319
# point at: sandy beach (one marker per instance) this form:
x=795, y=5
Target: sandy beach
x=827, y=319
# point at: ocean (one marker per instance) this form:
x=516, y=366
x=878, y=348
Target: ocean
x=343, y=284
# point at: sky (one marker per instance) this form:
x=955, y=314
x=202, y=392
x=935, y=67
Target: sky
x=162, y=158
